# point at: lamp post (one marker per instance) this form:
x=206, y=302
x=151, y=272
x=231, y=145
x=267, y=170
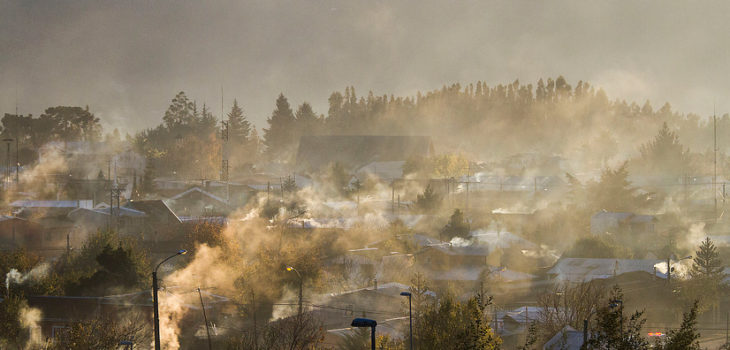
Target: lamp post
x=585, y=326
x=154, y=297
x=410, y=315
x=365, y=322
x=289, y=268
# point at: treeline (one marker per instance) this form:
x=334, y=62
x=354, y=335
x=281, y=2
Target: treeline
x=483, y=122
x=549, y=117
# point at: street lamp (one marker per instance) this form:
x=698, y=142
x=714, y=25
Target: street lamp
x=289, y=268
x=410, y=315
x=585, y=326
x=154, y=297
x=365, y=322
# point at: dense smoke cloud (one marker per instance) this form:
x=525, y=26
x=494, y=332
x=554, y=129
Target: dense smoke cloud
x=126, y=60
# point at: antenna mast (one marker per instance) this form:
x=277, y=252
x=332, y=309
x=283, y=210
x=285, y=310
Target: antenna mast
x=714, y=174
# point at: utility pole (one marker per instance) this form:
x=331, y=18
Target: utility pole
x=255, y=332
x=17, y=160
x=6, y=179
x=392, y=198
x=205, y=317
x=17, y=133
x=111, y=194
x=468, y=179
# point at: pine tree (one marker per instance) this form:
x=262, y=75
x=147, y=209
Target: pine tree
x=616, y=331
x=148, y=183
x=278, y=138
x=456, y=227
x=707, y=263
x=664, y=154
x=206, y=122
x=306, y=120
x=707, y=275
x=429, y=200
x=686, y=337
x=239, y=128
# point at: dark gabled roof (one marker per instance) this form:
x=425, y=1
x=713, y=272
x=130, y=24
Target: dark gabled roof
x=355, y=151
x=155, y=208
x=202, y=192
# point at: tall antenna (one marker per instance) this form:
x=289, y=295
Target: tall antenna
x=714, y=174
x=17, y=143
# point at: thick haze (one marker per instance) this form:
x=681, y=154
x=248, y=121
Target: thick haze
x=127, y=59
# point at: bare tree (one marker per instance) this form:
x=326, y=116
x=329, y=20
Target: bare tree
x=567, y=305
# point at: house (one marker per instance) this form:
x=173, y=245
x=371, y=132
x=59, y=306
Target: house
x=124, y=220
x=578, y=270
x=52, y=216
x=566, y=339
x=198, y=202
x=57, y=313
x=356, y=151
x=18, y=232
x=161, y=223
x=447, y=256
x=616, y=222
x=385, y=170
x=495, y=239
x=50, y=206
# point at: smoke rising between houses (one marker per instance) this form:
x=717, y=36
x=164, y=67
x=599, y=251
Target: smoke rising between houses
x=275, y=175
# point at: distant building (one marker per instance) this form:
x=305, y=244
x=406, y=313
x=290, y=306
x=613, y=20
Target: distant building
x=161, y=222
x=124, y=220
x=578, y=270
x=384, y=170
x=357, y=151
x=567, y=339
x=17, y=232
x=614, y=222
x=198, y=202
x=52, y=216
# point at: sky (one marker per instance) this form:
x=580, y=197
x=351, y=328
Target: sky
x=126, y=59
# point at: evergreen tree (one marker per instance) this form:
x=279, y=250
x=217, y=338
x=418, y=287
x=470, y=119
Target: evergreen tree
x=616, y=331
x=279, y=137
x=429, y=200
x=613, y=192
x=707, y=263
x=707, y=275
x=206, y=122
x=254, y=145
x=239, y=128
x=148, y=183
x=456, y=227
x=664, y=154
x=306, y=120
x=686, y=337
